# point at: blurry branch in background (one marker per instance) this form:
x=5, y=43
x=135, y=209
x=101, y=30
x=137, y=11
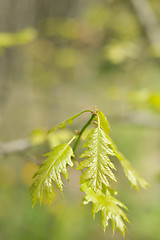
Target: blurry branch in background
x=18, y=146
x=148, y=19
x=37, y=141
x=14, y=146
x=137, y=118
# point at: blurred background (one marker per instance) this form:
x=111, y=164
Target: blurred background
x=58, y=58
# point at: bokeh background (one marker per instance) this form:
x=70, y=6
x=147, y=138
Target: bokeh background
x=58, y=58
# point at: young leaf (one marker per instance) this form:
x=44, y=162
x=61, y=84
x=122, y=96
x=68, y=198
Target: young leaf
x=69, y=121
x=103, y=122
x=50, y=171
x=109, y=206
x=97, y=163
x=133, y=176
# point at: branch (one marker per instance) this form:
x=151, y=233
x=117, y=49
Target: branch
x=82, y=130
x=138, y=118
x=14, y=146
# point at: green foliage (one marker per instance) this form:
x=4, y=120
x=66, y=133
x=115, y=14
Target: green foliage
x=98, y=175
x=103, y=122
x=97, y=163
x=13, y=39
x=50, y=171
x=133, y=176
x=109, y=206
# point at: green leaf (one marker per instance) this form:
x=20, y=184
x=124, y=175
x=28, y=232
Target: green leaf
x=97, y=163
x=103, y=122
x=69, y=121
x=133, y=176
x=50, y=170
x=109, y=207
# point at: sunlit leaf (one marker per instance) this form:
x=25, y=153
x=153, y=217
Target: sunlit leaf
x=97, y=163
x=109, y=206
x=133, y=176
x=103, y=122
x=95, y=180
x=49, y=171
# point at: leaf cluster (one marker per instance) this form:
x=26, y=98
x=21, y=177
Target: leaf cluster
x=98, y=171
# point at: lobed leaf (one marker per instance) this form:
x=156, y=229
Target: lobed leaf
x=109, y=206
x=97, y=161
x=49, y=171
x=103, y=122
x=133, y=176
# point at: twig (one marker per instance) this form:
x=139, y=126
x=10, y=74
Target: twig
x=138, y=118
x=14, y=146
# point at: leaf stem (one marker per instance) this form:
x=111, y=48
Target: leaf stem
x=82, y=130
x=63, y=124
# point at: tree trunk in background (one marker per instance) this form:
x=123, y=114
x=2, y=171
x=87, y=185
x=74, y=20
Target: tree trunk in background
x=148, y=19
